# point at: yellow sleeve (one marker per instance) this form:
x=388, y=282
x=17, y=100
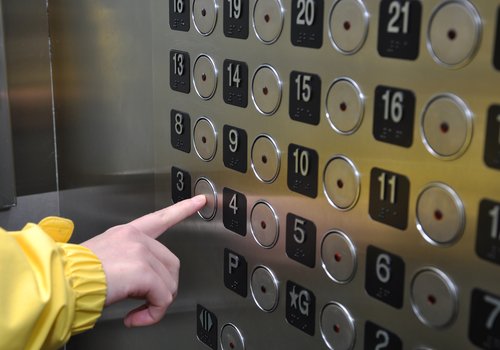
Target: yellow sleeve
x=48, y=290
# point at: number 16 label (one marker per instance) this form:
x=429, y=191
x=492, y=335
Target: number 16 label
x=393, y=116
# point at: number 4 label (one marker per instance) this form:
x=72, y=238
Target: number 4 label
x=234, y=211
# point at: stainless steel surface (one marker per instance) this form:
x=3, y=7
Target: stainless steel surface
x=7, y=180
x=103, y=93
x=200, y=245
x=101, y=58
x=30, y=95
x=26, y=45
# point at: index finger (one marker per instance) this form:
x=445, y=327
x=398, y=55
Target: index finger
x=156, y=223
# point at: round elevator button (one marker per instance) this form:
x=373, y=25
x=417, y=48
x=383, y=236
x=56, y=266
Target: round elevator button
x=268, y=20
x=338, y=257
x=204, y=77
x=337, y=327
x=205, y=139
x=205, y=187
x=434, y=298
x=440, y=214
x=344, y=106
x=204, y=16
x=231, y=338
x=264, y=224
x=446, y=126
x=264, y=287
x=266, y=159
x=348, y=25
x=454, y=33
x=341, y=183
x=266, y=90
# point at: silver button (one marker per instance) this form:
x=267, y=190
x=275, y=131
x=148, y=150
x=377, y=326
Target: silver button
x=440, y=214
x=348, y=25
x=266, y=90
x=434, y=298
x=231, y=338
x=337, y=327
x=446, y=126
x=204, y=77
x=264, y=287
x=268, y=20
x=454, y=33
x=344, y=106
x=264, y=224
x=205, y=139
x=205, y=187
x=341, y=183
x=338, y=257
x=266, y=159
x=204, y=16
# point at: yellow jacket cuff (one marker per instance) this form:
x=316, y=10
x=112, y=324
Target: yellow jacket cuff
x=88, y=281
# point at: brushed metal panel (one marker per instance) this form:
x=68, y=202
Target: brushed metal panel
x=200, y=245
x=7, y=181
x=30, y=95
x=101, y=57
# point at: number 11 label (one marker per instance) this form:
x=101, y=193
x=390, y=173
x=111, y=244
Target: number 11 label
x=389, y=195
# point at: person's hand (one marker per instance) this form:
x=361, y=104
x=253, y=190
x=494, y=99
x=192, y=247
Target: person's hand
x=138, y=266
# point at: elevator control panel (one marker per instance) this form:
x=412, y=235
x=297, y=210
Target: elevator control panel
x=350, y=154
